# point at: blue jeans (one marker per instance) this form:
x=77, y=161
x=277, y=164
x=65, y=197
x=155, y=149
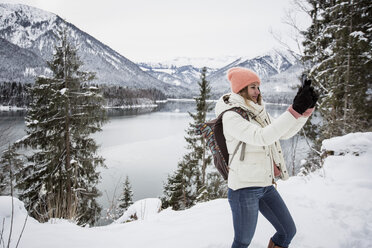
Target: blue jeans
x=245, y=204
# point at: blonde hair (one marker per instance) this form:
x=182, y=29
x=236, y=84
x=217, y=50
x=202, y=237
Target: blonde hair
x=244, y=93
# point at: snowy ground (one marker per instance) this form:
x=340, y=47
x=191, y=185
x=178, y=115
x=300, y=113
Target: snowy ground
x=332, y=208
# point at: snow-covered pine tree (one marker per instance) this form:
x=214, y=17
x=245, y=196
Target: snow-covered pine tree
x=338, y=53
x=173, y=189
x=189, y=182
x=126, y=198
x=10, y=163
x=61, y=177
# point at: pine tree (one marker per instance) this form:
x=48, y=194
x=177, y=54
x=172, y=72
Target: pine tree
x=126, y=199
x=10, y=163
x=173, y=191
x=189, y=183
x=339, y=55
x=60, y=179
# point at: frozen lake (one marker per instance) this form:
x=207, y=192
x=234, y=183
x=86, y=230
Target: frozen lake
x=145, y=144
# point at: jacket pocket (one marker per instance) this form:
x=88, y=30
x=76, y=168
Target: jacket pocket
x=251, y=171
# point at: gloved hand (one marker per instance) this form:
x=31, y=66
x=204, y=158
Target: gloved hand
x=314, y=95
x=304, y=98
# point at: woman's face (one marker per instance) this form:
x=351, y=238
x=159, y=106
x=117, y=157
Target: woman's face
x=253, y=91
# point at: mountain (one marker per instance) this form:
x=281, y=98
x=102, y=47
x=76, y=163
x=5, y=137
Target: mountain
x=28, y=36
x=279, y=69
x=33, y=32
x=18, y=64
x=273, y=62
x=185, y=75
x=199, y=62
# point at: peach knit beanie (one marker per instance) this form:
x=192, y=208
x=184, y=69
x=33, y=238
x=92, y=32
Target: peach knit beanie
x=240, y=77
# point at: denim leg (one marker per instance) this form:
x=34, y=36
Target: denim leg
x=276, y=212
x=244, y=207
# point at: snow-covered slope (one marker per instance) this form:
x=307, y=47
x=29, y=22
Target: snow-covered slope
x=143, y=209
x=18, y=64
x=35, y=30
x=331, y=209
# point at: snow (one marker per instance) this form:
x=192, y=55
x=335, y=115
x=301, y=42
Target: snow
x=359, y=34
x=25, y=35
x=199, y=62
x=63, y=91
x=331, y=208
x=10, y=108
x=29, y=72
x=350, y=143
x=134, y=106
x=144, y=209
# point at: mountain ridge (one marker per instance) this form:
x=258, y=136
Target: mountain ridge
x=35, y=30
x=39, y=35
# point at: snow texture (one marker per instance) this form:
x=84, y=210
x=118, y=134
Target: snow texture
x=143, y=210
x=354, y=143
x=331, y=209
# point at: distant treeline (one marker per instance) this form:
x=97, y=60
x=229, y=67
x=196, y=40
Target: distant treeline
x=119, y=96
x=14, y=94
x=17, y=94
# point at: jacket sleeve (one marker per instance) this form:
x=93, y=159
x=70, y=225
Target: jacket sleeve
x=300, y=122
x=243, y=130
x=294, y=130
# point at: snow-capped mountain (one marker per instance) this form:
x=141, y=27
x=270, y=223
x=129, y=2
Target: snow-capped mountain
x=279, y=69
x=270, y=64
x=199, y=62
x=28, y=36
x=34, y=30
x=18, y=64
x=184, y=75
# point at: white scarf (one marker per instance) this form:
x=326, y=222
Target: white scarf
x=259, y=114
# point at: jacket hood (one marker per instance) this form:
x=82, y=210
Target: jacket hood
x=228, y=101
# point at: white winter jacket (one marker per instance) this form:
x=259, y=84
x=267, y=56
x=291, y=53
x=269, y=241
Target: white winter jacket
x=261, y=135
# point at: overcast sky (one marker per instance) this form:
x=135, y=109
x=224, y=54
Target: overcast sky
x=157, y=30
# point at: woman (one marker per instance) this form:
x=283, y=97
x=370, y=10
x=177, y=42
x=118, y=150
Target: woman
x=261, y=162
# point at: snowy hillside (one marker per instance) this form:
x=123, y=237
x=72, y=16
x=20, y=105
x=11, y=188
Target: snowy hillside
x=12, y=70
x=35, y=30
x=331, y=209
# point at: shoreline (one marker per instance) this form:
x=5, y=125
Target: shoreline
x=4, y=108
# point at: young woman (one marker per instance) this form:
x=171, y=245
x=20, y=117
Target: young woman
x=261, y=162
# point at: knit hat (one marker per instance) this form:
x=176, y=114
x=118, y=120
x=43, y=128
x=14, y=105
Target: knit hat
x=240, y=77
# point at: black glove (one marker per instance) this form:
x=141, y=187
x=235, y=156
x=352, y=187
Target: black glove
x=315, y=97
x=304, y=98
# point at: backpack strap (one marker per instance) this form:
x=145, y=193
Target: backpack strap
x=235, y=151
x=245, y=115
x=242, y=153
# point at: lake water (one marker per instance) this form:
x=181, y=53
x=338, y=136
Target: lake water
x=143, y=144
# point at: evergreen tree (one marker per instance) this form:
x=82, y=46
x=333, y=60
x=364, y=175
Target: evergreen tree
x=189, y=183
x=173, y=191
x=126, y=199
x=60, y=179
x=9, y=165
x=338, y=53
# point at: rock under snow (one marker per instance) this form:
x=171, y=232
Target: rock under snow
x=353, y=143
